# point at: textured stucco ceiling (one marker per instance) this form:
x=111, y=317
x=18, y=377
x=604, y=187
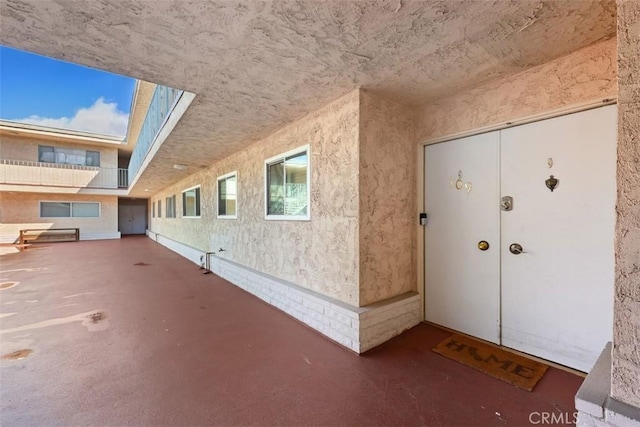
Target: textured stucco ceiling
x=256, y=66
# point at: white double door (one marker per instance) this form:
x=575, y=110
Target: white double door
x=132, y=219
x=553, y=298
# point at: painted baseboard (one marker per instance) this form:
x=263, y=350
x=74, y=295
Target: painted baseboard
x=192, y=254
x=357, y=328
x=99, y=236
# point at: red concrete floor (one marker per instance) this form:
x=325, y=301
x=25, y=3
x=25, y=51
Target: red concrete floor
x=181, y=348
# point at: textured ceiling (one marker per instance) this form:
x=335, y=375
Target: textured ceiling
x=256, y=66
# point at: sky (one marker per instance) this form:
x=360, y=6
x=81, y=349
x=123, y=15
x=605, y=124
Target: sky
x=38, y=90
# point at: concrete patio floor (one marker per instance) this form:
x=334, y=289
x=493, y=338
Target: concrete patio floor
x=172, y=346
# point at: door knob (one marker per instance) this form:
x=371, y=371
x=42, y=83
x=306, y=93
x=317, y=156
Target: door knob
x=483, y=245
x=516, y=248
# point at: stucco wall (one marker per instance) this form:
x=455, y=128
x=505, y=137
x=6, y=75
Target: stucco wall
x=320, y=254
x=13, y=148
x=625, y=383
x=22, y=210
x=387, y=199
x=585, y=75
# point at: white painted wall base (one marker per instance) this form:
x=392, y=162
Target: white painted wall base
x=192, y=254
x=99, y=236
x=357, y=328
x=12, y=238
x=595, y=406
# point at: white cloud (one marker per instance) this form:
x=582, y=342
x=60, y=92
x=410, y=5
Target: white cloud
x=102, y=117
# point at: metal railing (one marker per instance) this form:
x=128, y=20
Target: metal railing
x=23, y=172
x=162, y=104
x=123, y=178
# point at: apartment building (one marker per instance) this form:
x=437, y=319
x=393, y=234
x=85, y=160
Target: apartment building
x=54, y=180
x=62, y=179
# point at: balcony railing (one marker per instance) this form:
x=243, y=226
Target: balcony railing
x=162, y=104
x=22, y=172
x=123, y=178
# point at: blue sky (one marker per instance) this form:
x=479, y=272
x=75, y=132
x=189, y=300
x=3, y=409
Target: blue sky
x=39, y=90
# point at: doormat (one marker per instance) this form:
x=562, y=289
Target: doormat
x=506, y=366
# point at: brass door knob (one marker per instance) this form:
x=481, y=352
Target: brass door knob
x=483, y=245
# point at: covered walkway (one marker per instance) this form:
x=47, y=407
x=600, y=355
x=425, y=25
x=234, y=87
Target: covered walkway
x=125, y=332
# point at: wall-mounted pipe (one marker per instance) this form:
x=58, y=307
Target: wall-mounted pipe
x=205, y=262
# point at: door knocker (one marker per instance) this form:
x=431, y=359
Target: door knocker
x=551, y=183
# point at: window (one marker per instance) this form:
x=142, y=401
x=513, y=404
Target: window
x=228, y=195
x=93, y=158
x=153, y=210
x=170, y=203
x=55, y=209
x=159, y=208
x=287, y=185
x=69, y=209
x=191, y=202
x=46, y=154
x=85, y=210
x=68, y=156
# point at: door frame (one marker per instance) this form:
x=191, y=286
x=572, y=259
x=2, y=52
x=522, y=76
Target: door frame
x=124, y=201
x=420, y=169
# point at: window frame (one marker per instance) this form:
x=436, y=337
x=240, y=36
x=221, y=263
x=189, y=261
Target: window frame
x=159, y=208
x=95, y=154
x=41, y=151
x=198, y=204
x=71, y=216
x=277, y=159
x=170, y=206
x=218, y=180
x=153, y=210
x=87, y=156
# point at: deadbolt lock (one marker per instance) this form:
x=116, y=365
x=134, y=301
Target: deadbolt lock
x=506, y=203
x=483, y=245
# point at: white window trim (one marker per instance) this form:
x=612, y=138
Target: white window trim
x=220, y=178
x=275, y=159
x=77, y=218
x=182, y=201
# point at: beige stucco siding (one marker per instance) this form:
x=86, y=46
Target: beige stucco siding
x=22, y=210
x=625, y=385
x=585, y=75
x=360, y=244
x=320, y=254
x=387, y=199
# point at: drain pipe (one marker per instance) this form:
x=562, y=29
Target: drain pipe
x=205, y=262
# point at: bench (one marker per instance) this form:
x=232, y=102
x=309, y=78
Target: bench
x=39, y=235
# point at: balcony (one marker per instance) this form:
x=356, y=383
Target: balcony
x=162, y=105
x=20, y=172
